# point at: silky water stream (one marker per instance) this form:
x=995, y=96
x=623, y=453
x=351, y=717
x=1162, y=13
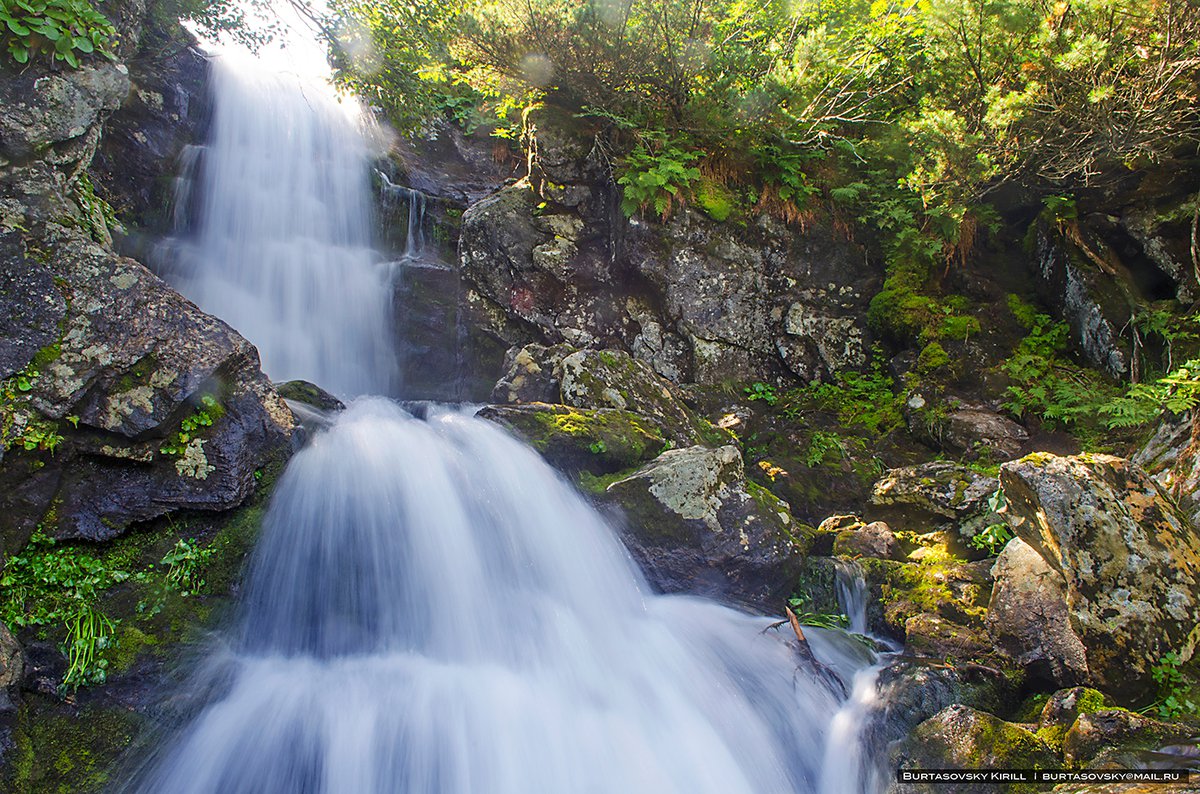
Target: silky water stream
x=431, y=608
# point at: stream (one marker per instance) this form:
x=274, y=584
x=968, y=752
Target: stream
x=431, y=607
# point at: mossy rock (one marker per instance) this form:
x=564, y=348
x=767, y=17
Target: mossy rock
x=575, y=440
x=960, y=737
x=301, y=391
x=1095, y=732
x=58, y=749
x=614, y=379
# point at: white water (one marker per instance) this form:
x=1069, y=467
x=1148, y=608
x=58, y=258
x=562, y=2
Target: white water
x=282, y=249
x=430, y=608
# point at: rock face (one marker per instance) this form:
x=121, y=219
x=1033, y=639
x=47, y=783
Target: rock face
x=1130, y=560
x=105, y=364
x=698, y=300
x=1028, y=618
x=1096, y=731
x=697, y=526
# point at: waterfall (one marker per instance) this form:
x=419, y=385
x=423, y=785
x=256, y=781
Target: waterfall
x=430, y=607
x=281, y=245
x=851, y=587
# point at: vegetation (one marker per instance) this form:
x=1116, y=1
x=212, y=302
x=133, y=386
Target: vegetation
x=47, y=585
x=61, y=30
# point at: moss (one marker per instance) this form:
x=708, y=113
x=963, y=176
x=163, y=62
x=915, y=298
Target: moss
x=932, y=356
x=598, y=483
x=60, y=751
x=715, y=200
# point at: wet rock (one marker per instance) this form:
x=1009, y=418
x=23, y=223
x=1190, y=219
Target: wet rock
x=868, y=540
x=311, y=394
x=1028, y=618
x=1130, y=559
x=1096, y=731
x=144, y=141
x=531, y=374
x=960, y=737
x=575, y=440
x=696, y=525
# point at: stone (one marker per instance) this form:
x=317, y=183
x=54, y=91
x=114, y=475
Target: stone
x=976, y=430
x=1094, y=732
x=574, y=440
x=698, y=526
x=868, y=540
x=960, y=737
x=12, y=667
x=44, y=109
x=1172, y=457
x=1130, y=559
x=310, y=394
x=614, y=379
x=1063, y=708
x=1028, y=618
x=1094, y=304
x=936, y=637
x=941, y=495
x=531, y=374
x=31, y=306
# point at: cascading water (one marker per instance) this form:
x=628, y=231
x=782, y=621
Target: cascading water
x=281, y=248
x=430, y=607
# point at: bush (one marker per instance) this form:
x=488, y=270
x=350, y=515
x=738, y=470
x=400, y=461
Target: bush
x=63, y=30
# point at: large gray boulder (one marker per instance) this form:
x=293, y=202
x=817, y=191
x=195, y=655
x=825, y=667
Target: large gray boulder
x=697, y=525
x=1129, y=558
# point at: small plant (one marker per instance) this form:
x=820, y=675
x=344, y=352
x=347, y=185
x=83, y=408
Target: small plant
x=658, y=173
x=204, y=416
x=185, y=564
x=824, y=446
x=994, y=537
x=1172, y=692
x=89, y=634
x=61, y=29
x=762, y=391
x=46, y=585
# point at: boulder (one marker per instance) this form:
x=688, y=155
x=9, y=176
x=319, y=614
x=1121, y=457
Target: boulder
x=1130, y=559
x=868, y=540
x=696, y=525
x=92, y=431
x=1028, y=618
x=310, y=394
x=1172, y=457
x=1097, y=731
x=575, y=440
x=614, y=379
x=12, y=667
x=936, y=496
x=1063, y=708
x=960, y=737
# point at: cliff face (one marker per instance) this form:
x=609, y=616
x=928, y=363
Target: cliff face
x=101, y=360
